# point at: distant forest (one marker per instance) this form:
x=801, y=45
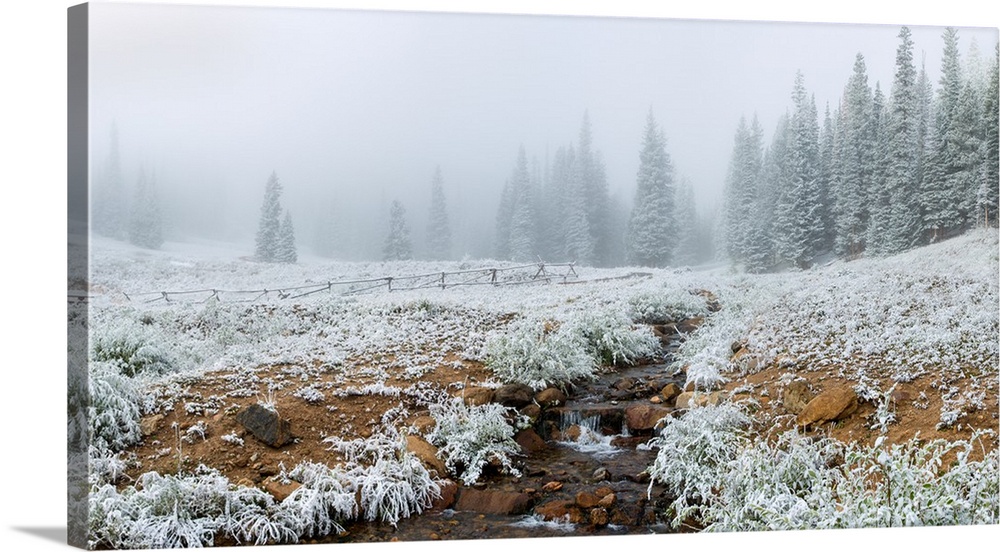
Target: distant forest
x=878, y=174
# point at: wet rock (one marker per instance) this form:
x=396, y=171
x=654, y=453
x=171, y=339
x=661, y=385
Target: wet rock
x=514, y=394
x=644, y=417
x=599, y=517
x=266, y=425
x=670, y=392
x=601, y=474
x=796, y=396
x=656, y=399
x=627, y=514
x=477, y=396
x=623, y=384
x=449, y=490
x=550, y=397
x=552, y=486
x=502, y=503
x=530, y=441
x=280, y=491
x=586, y=499
x=831, y=405
x=532, y=412
x=607, y=501
x=559, y=510
x=571, y=433
x=426, y=453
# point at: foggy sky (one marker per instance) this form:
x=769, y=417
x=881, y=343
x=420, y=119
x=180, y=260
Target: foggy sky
x=353, y=109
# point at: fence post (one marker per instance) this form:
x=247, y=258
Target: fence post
x=442, y=279
x=389, y=282
x=493, y=276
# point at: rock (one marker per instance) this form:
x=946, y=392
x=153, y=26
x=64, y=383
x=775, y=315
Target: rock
x=656, y=399
x=690, y=325
x=426, y=453
x=599, y=517
x=514, y=394
x=603, y=491
x=552, y=486
x=601, y=474
x=624, y=384
x=423, y=424
x=586, y=499
x=558, y=510
x=643, y=417
x=149, y=425
x=530, y=441
x=691, y=399
x=268, y=471
x=607, y=501
x=736, y=346
x=670, y=392
x=899, y=396
x=831, y=405
x=266, y=425
x=477, y=396
x=572, y=433
x=279, y=491
x=796, y=396
x=502, y=503
x=449, y=489
x=550, y=397
x=533, y=412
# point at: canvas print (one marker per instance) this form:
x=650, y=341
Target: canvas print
x=344, y=276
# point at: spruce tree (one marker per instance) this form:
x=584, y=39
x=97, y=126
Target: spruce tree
x=651, y=229
x=902, y=225
x=145, y=224
x=505, y=215
x=286, y=251
x=268, y=229
x=397, y=246
x=438, y=229
x=522, y=225
x=940, y=194
x=686, y=219
x=109, y=206
x=741, y=189
x=878, y=192
x=852, y=177
x=987, y=194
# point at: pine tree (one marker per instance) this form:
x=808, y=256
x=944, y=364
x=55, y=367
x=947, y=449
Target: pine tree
x=438, y=229
x=286, y=252
x=988, y=195
x=522, y=225
x=652, y=229
x=592, y=183
x=741, y=190
x=878, y=193
x=109, y=206
x=267, y=246
x=939, y=194
x=852, y=175
x=397, y=246
x=145, y=223
x=505, y=215
x=902, y=225
x=686, y=218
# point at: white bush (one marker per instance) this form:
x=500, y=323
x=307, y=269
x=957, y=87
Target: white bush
x=612, y=338
x=530, y=353
x=470, y=437
x=114, y=409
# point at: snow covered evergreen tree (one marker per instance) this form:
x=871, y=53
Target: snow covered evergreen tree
x=742, y=189
x=522, y=225
x=878, y=193
x=438, y=229
x=827, y=168
x=592, y=183
x=686, y=249
x=652, y=231
x=852, y=176
x=505, y=216
x=146, y=224
x=109, y=216
x=987, y=194
x=267, y=246
x=397, y=246
x=900, y=220
x=286, y=251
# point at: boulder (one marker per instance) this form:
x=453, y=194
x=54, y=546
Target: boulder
x=607, y=501
x=280, y=491
x=644, y=417
x=530, y=441
x=477, y=396
x=587, y=499
x=502, y=503
x=550, y=397
x=831, y=405
x=514, y=394
x=426, y=453
x=423, y=424
x=670, y=392
x=533, y=412
x=599, y=517
x=796, y=396
x=449, y=489
x=266, y=425
x=552, y=486
x=149, y=425
x=559, y=510
x=692, y=399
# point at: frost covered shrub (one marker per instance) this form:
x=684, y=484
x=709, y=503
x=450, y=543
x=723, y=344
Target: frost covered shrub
x=530, y=353
x=469, y=437
x=694, y=453
x=665, y=306
x=612, y=338
x=131, y=347
x=114, y=409
x=188, y=510
x=323, y=502
x=393, y=483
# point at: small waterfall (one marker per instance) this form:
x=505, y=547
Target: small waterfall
x=570, y=418
x=590, y=440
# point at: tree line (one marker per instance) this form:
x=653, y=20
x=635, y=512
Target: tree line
x=880, y=176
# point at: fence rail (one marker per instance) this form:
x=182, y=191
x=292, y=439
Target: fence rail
x=536, y=273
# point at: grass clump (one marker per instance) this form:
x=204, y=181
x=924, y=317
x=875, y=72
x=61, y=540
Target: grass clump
x=471, y=437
